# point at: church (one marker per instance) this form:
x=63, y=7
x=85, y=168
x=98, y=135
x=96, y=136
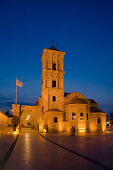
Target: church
x=57, y=111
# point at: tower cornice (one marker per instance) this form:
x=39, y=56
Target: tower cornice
x=52, y=52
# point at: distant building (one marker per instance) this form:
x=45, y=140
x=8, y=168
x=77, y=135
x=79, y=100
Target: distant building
x=109, y=122
x=57, y=111
x=111, y=116
x=5, y=121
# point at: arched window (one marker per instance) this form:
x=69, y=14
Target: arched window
x=54, y=98
x=54, y=66
x=53, y=83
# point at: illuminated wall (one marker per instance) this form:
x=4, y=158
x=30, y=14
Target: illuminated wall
x=4, y=121
x=96, y=126
x=52, y=79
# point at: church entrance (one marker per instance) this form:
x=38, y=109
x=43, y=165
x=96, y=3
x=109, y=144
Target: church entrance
x=28, y=120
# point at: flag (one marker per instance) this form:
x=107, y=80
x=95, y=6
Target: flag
x=19, y=83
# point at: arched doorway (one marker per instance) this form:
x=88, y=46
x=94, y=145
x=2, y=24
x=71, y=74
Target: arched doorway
x=28, y=120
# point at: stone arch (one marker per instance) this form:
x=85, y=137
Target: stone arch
x=28, y=118
x=20, y=112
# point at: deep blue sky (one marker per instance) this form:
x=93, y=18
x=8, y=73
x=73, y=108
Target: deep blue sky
x=81, y=28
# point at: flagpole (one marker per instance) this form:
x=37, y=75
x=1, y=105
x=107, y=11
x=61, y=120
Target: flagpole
x=16, y=93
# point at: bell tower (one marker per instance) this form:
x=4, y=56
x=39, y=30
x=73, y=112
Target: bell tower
x=52, y=79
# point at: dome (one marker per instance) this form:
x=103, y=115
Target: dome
x=75, y=98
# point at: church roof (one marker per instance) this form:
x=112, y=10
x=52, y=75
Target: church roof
x=53, y=48
x=95, y=109
x=77, y=101
x=91, y=100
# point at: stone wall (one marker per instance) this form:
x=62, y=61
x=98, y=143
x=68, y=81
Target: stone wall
x=80, y=125
x=94, y=125
x=4, y=121
x=54, y=120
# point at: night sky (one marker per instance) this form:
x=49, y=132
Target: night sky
x=81, y=28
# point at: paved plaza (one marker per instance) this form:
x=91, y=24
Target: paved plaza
x=33, y=151
x=6, y=140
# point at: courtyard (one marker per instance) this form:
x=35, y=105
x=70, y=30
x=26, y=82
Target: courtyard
x=55, y=151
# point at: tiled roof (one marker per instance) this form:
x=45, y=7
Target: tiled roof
x=77, y=101
x=91, y=100
x=95, y=109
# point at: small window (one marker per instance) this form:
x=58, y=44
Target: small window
x=54, y=98
x=81, y=116
x=54, y=66
x=73, y=116
x=87, y=116
x=98, y=120
x=53, y=83
x=42, y=109
x=55, y=120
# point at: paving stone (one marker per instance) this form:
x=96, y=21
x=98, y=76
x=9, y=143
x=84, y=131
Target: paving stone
x=34, y=152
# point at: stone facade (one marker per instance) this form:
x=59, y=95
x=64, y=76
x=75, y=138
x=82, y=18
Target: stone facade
x=55, y=110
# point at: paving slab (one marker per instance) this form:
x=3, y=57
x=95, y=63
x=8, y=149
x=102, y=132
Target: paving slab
x=6, y=140
x=98, y=147
x=33, y=152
